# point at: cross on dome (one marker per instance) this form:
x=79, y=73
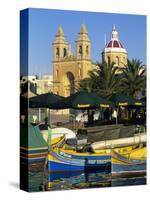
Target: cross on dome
x=114, y=28
x=114, y=33
x=114, y=44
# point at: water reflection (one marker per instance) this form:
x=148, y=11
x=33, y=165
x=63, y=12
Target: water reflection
x=74, y=180
x=40, y=180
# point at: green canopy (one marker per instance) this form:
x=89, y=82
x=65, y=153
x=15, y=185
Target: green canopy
x=44, y=100
x=125, y=100
x=30, y=137
x=82, y=100
x=143, y=99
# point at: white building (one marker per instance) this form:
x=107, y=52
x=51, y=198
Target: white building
x=45, y=84
x=38, y=86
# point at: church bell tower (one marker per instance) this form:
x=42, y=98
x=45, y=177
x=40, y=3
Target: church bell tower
x=83, y=52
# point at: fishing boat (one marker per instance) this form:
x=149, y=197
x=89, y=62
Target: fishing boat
x=128, y=164
x=60, y=160
x=120, y=159
x=33, y=147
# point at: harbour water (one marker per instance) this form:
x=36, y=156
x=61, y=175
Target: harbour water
x=40, y=180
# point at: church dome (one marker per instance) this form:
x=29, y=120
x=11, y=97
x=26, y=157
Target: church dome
x=114, y=45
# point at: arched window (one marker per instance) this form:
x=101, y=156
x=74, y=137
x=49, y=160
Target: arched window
x=71, y=80
x=80, y=50
x=64, y=52
x=87, y=50
x=117, y=60
x=108, y=59
x=57, y=52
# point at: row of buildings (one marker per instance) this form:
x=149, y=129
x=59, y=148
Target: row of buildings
x=69, y=68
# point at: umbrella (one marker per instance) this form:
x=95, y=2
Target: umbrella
x=125, y=100
x=44, y=100
x=82, y=101
x=144, y=100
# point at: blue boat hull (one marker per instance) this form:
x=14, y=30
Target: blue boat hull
x=75, y=163
x=60, y=167
x=128, y=168
x=121, y=164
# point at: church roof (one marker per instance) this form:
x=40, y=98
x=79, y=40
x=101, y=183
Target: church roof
x=83, y=29
x=114, y=44
x=60, y=36
x=83, y=34
x=60, y=31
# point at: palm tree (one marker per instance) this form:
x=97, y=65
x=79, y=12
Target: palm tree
x=103, y=80
x=86, y=85
x=133, y=78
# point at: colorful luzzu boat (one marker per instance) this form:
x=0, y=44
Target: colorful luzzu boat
x=135, y=162
x=60, y=160
x=33, y=154
x=118, y=160
x=33, y=148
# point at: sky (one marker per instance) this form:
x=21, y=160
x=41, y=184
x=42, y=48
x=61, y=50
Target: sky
x=44, y=23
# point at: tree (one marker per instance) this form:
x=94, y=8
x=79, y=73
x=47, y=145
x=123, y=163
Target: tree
x=103, y=80
x=133, y=78
x=86, y=85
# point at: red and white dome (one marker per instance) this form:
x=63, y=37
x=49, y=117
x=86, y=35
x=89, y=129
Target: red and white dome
x=114, y=45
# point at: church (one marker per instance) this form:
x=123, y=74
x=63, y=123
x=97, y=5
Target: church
x=69, y=69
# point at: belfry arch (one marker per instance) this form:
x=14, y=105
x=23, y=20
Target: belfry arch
x=71, y=79
x=68, y=81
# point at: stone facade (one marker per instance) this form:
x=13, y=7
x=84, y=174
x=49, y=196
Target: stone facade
x=69, y=69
